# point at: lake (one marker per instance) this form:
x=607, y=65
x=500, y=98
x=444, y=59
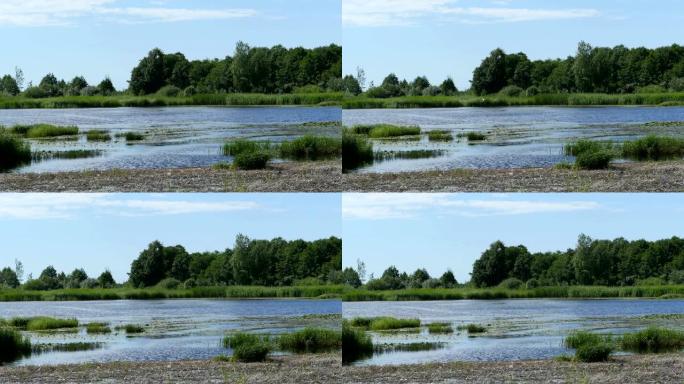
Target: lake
x=517, y=329
x=517, y=137
x=175, y=137
x=174, y=329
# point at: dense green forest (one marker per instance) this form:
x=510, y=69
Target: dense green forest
x=275, y=262
x=617, y=70
x=272, y=70
x=617, y=262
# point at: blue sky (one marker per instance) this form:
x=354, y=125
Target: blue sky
x=441, y=231
x=441, y=38
x=98, y=231
x=96, y=38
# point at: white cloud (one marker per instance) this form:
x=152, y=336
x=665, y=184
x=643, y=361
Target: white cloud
x=379, y=13
x=32, y=13
x=63, y=206
x=403, y=206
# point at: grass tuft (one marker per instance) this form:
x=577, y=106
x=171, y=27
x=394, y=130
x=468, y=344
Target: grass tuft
x=14, y=151
x=440, y=328
x=13, y=345
x=440, y=135
x=653, y=340
x=37, y=131
x=44, y=323
x=654, y=148
x=472, y=328
x=248, y=347
x=311, y=340
x=98, y=328
x=311, y=148
x=356, y=344
x=98, y=135
x=356, y=151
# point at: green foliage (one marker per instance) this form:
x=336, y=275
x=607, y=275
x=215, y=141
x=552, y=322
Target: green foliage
x=169, y=91
x=388, y=323
x=511, y=283
x=653, y=340
x=131, y=329
x=356, y=344
x=386, y=130
x=654, y=148
x=311, y=148
x=311, y=340
x=43, y=323
x=472, y=328
x=98, y=135
x=251, y=161
x=356, y=151
x=98, y=328
x=38, y=131
x=591, y=353
x=70, y=154
x=13, y=151
x=412, y=154
x=585, y=146
x=511, y=91
x=579, y=338
x=440, y=328
x=243, y=146
x=248, y=347
x=13, y=345
x=67, y=347
x=473, y=136
x=168, y=283
x=440, y=135
x=594, y=160
x=133, y=136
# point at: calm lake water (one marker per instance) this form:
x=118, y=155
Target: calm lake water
x=174, y=329
x=176, y=137
x=517, y=329
x=518, y=137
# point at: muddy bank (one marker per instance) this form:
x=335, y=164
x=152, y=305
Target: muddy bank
x=634, y=177
x=621, y=370
x=284, y=177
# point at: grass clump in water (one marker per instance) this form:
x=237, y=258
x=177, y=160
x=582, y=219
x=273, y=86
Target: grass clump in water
x=242, y=146
x=13, y=151
x=98, y=135
x=67, y=155
x=311, y=148
x=131, y=328
x=589, y=347
x=380, y=131
x=580, y=338
x=356, y=151
x=95, y=328
x=654, y=148
x=388, y=323
x=594, y=160
x=440, y=135
x=13, y=345
x=311, y=340
x=473, y=136
x=356, y=344
x=131, y=136
x=67, y=347
x=409, y=347
x=440, y=328
x=472, y=328
x=44, y=323
x=410, y=155
x=37, y=131
x=653, y=340
x=248, y=347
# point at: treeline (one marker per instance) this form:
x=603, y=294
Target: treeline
x=272, y=70
x=617, y=70
x=616, y=262
x=275, y=262
x=392, y=279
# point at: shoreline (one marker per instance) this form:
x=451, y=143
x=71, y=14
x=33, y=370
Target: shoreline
x=310, y=176
x=662, y=176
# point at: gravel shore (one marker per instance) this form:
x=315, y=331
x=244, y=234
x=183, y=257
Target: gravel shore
x=322, y=176
x=667, y=176
x=665, y=368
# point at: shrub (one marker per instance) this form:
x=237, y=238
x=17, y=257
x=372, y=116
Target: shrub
x=168, y=283
x=311, y=340
x=594, y=160
x=169, y=91
x=356, y=151
x=356, y=344
x=654, y=148
x=89, y=91
x=249, y=161
x=311, y=148
x=89, y=283
x=511, y=283
x=34, y=93
x=653, y=340
x=591, y=353
x=13, y=345
x=511, y=91
x=13, y=151
x=189, y=91
x=532, y=91
x=532, y=283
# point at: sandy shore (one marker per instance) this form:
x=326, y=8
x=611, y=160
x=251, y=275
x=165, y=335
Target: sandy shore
x=634, y=177
x=323, y=176
x=666, y=368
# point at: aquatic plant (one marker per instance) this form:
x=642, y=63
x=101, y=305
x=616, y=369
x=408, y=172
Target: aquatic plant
x=473, y=136
x=13, y=345
x=69, y=155
x=311, y=148
x=579, y=338
x=356, y=343
x=98, y=135
x=408, y=347
x=311, y=340
x=13, y=151
x=386, y=323
x=130, y=328
x=387, y=130
x=43, y=323
x=585, y=146
x=242, y=146
x=248, y=347
x=654, y=148
x=356, y=151
x=37, y=131
x=440, y=328
x=653, y=340
x=98, y=328
x=472, y=328
x=440, y=135
x=132, y=136
x=66, y=347
x=413, y=154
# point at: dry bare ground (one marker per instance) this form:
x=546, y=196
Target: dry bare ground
x=634, y=177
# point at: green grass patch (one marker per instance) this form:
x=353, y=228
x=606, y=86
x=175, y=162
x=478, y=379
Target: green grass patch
x=440, y=135
x=67, y=347
x=248, y=347
x=653, y=340
x=594, y=160
x=387, y=130
x=408, y=155
x=356, y=343
x=311, y=340
x=311, y=148
x=251, y=161
x=131, y=136
x=357, y=151
x=408, y=347
x=591, y=353
x=98, y=135
x=14, y=151
x=38, y=131
x=580, y=338
x=389, y=323
x=66, y=155
x=98, y=328
x=221, y=166
x=473, y=136
x=44, y=323
x=440, y=328
x=242, y=146
x=654, y=148
x=131, y=329
x=472, y=328
x=13, y=345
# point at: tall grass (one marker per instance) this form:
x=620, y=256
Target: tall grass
x=580, y=338
x=14, y=151
x=44, y=323
x=412, y=154
x=240, y=146
x=472, y=328
x=13, y=345
x=654, y=148
x=356, y=151
x=386, y=130
x=590, y=347
x=311, y=340
x=653, y=340
x=386, y=323
x=69, y=155
x=440, y=135
x=98, y=135
x=440, y=328
x=37, y=131
x=248, y=347
x=356, y=343
x=311, y=148
x=98, y=328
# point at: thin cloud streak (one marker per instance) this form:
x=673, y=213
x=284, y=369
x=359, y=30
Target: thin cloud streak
x=407, y=206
